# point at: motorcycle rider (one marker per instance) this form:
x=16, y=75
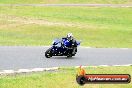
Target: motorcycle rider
x=72, y=40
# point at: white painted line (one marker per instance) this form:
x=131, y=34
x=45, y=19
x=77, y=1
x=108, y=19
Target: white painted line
x=104, y=65
x=1, y=73
x=123, y=65
x=82, y=66
x=8, y=71
x=128, y=65
x=38, y=69
x=86, y=66
x=48, y=69
x=23, y=71
x=53, y=68
x=116, y=65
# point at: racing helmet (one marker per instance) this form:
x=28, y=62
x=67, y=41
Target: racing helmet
x=69, y=36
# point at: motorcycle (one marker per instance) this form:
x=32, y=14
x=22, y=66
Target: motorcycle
x=60, y=47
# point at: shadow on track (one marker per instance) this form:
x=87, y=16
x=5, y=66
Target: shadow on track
x=61, y=57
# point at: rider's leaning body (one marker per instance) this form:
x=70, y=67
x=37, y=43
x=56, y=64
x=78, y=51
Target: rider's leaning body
x=71, y=40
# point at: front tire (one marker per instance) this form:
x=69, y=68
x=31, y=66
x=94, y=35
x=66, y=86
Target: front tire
x=48, y=53
x=69, y=55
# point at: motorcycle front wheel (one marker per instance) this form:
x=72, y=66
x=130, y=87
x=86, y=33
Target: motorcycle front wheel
x=69, y=55
x=48, y=53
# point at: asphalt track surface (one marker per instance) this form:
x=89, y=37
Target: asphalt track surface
x=88, y=5
x=20, y=57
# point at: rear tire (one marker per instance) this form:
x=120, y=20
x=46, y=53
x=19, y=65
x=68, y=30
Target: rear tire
x=48, y=53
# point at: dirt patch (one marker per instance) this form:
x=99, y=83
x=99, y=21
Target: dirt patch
x=14, y=20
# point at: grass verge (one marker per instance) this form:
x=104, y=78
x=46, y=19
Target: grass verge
x=67, y=1
x=63, y=78
x=38, y=26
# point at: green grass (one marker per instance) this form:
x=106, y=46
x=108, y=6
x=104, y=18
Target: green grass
x=97, y=27
x=64, y=78
x=68, y=1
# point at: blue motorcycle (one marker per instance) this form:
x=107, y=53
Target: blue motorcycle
x=62, y=47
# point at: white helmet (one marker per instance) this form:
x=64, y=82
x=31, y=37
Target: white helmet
x=69, y=35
